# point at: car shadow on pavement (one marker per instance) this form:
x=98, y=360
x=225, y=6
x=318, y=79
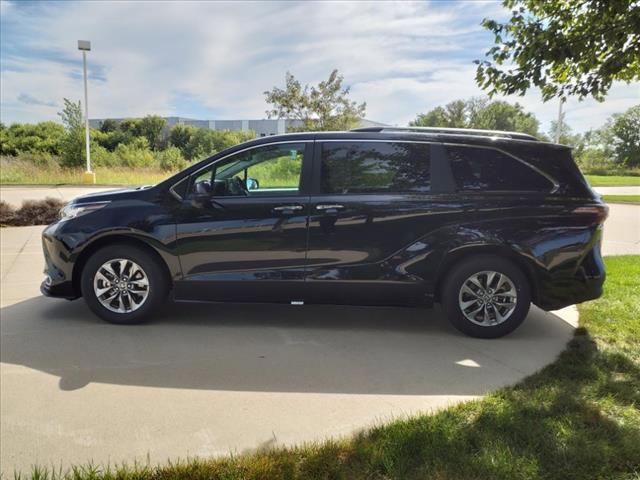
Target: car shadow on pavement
x=275, y=348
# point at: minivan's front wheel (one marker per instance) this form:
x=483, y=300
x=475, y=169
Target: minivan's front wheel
x=486, y=296
x=123, y=284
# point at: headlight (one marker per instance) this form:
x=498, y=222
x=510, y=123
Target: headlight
x=72, y=210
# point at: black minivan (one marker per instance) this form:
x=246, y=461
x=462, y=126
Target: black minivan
x=483, y=222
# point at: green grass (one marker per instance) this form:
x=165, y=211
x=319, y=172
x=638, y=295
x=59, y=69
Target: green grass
x=613, y=180
x=282, y=173
x=635, y=199
x=27, y=173
x=579, y=418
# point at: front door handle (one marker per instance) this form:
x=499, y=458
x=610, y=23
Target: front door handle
x=287, y=208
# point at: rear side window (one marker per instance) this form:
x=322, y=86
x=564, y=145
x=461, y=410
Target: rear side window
x=489, y=169
x=375, y=167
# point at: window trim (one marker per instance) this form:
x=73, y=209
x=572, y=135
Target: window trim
x=554, y=184
x=189, y=177
x=315, y=169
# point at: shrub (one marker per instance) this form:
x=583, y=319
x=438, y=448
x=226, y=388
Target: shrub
x=203, y=143
x=43, y=137
x=101, y=157
x=593, y=158
x=171, y=159
x=135, y=154
x=73, y=148
x=7, y=213
x=37, y=212
x=110, y=140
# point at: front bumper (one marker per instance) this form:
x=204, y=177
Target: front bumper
x=58, y=268
x=57, y=291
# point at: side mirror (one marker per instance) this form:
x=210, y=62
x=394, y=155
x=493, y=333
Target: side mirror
x=252, y=184
x=198, y=200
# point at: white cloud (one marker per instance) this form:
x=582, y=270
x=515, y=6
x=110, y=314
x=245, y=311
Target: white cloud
x=215, y=59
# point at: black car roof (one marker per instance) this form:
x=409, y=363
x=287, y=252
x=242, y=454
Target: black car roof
x=406, y=135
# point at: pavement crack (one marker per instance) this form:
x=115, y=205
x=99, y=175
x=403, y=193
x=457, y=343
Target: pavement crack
x=22, y=248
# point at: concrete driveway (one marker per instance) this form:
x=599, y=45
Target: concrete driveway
x=617, y=190
x=212, y=379
x=622, y=230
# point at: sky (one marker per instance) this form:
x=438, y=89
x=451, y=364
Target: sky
x=214, y=60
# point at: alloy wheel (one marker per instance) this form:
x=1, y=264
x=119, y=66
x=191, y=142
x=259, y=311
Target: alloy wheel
x=121, y=285
x=487, y=298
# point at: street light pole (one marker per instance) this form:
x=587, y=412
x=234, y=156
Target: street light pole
x=85, y=46
x=559, y=124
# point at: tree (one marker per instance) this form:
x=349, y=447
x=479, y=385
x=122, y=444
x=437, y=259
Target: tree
x=179, y=137
x=109, y=125
x=151, y=127
x=616, y=142
x=452, y=115
x=71, y=115
x=131, y=126
x=500, y=115
x=625, y=132
x=566, y=137
x=576, y=47
x=325, y=107
x=73, y=147
x=478, y=112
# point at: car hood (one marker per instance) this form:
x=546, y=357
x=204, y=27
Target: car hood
x=113, y=195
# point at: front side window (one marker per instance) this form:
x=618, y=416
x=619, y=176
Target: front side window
x=261, y=171
x=375, y=167
x=489, y=169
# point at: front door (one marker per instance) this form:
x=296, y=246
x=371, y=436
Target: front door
x=242, y=228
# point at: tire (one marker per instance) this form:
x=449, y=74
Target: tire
x=497, y=315
x=141, y=300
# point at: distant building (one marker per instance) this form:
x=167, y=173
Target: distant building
x=263, y=128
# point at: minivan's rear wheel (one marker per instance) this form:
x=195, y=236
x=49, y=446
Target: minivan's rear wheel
x=123, y=283
x=486, y=296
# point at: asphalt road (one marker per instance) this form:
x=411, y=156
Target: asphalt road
x=15, y=195
x=212, y=379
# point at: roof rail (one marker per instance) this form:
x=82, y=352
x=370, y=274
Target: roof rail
x=452, y=131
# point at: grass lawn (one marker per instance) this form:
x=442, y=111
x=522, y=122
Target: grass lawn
x=613, y=180
x=23, y=173
x=635, y=199
x=579, y=418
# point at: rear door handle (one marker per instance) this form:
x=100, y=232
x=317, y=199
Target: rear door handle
x=329, y=207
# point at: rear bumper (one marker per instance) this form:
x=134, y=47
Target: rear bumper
x=563, y=294
x=584, y=283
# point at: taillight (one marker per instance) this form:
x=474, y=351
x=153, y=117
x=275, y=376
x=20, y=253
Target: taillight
x=595, y=215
